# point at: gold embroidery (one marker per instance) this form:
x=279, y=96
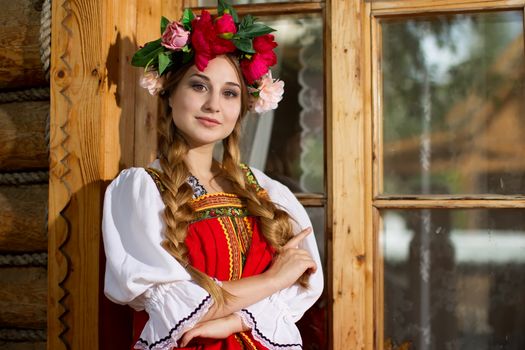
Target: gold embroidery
x=248, y=340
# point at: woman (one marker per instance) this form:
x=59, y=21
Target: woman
x=218, y=254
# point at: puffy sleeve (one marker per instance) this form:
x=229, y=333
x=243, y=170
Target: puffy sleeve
x=273, y=319
x=139, y=271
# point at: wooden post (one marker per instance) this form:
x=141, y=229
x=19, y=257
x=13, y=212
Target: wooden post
x=94, y=113
x=349, y=205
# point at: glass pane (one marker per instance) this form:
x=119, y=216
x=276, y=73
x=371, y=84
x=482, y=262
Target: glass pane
x=454, y=279
x=288, y=143
x=454, y=104
x=213, y=3
x=313, y=325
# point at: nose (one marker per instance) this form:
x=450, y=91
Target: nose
x=211, y=104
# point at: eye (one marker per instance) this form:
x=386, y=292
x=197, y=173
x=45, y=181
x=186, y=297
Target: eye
x=198, y=86
x=231, y=93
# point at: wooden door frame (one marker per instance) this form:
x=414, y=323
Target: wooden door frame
x=96, y=110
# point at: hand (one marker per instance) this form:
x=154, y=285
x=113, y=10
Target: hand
x=219, y=328
x=291, y=262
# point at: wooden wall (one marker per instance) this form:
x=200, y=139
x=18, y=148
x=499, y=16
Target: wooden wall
x=24, y=150
x=100, y=124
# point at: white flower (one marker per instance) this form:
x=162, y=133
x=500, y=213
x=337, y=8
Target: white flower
x=150, y=80
x=270, y=93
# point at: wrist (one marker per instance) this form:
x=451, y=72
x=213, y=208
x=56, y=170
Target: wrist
x=272, y=280
x=239, y=322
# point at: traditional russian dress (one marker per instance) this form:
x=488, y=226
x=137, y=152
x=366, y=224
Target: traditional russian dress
x=223, y=240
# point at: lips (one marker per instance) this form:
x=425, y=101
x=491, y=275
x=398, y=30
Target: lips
x=207, y=121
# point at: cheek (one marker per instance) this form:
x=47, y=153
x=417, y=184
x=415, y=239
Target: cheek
x=232, y=111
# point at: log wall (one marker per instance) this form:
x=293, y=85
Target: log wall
x=24, y=165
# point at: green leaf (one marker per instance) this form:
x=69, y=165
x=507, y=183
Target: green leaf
x=225, y=7
x=164, y=61
x=143, y=56
x=163, y=24
x=244, y=44
x=256, y=29
x=246, y=22
x=187, y=17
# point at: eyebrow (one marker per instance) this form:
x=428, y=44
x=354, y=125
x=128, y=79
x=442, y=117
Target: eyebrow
x=202, y=76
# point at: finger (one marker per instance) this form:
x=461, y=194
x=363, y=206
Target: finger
x=294, y=242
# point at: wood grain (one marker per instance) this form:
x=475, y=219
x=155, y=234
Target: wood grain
x=23, y=297
x=78, y=112
x=23, y=218
x=22, y=345
x=20, y=64
x=405, y=7
x=23, y=131
x=351, y=265
x=268, y=9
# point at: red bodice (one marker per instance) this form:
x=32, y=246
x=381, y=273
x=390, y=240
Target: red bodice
x=225, y=242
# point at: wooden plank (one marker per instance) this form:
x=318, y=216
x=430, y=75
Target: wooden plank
x=444, y=203
x=385, y=8
x=23, y=218
x=79, y=97
x=20, y=63
x=22, y=346
x=373, y=306
x=146, y=106
x=23, y=297
x=351, y=267
x=23, y=135
x=311, y=199
x=377, y=105
x=268, y=9
x=122, y=81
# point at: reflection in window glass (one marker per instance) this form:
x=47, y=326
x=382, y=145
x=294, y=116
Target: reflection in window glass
x=454, y=279
x=288, y=142
x=313, y=325
x=453, y=99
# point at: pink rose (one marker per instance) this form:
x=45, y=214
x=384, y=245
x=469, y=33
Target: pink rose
x=175, y=37
x=150, y=80
x=270, y=94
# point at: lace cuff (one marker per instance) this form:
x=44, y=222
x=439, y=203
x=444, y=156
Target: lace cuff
x=173, y=309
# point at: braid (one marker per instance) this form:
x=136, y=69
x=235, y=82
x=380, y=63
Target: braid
x=172, y=148
x=178, y=213
x=276, y=225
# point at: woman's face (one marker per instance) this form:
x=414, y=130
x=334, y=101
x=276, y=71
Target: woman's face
x=206, y=105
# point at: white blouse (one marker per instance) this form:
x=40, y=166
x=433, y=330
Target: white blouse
x=141, y=273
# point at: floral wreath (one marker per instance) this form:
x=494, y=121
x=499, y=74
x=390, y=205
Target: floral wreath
x=201, y=39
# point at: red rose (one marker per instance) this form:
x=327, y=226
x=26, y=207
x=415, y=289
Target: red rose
x=202, y=30
x=225, y=24
x=206, y=41
x=254, y=68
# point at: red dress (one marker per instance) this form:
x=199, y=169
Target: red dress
x=226, y=243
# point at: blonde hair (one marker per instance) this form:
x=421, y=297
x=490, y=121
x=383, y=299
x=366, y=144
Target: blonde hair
x=172, y=147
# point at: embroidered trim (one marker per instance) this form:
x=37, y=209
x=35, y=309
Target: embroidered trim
x=249, y=320
x=239, y=340
x=252, y=181
x=245, y=337
x=220, y=212
x=198, y=189
x=228, y=242
x=189, y=321
x=155, y=175
x=215, y=200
